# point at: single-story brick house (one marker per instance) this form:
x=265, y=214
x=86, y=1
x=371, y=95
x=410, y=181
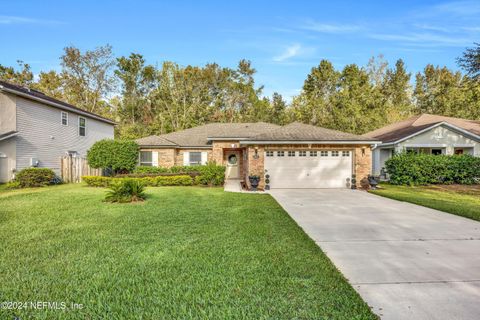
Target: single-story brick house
x=293, y=156
x=426, y=133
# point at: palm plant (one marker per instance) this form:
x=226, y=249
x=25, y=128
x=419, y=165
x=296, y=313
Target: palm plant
x=126, y=190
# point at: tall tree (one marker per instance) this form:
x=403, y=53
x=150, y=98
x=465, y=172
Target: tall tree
x=439, y=90
x=23, y=77
x=397, y=93
x=51, y=83
x=470, y=61
x=137, y=82
x=88, y=77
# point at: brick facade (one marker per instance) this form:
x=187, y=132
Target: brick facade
x=252, y=162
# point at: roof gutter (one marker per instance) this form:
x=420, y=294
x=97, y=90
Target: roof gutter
x=352, y=142
x=56, y=105
x=8, y=135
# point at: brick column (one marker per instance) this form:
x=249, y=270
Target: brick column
x=256, y=164
x=363, y=165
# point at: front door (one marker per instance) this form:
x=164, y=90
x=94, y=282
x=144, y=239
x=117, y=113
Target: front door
x=233, y=169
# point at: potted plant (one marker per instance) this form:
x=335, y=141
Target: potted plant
x=254, y=181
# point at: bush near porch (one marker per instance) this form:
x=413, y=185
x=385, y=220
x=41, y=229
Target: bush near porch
x=210, y=174
x=422, y=169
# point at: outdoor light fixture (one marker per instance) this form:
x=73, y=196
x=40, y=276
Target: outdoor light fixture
x=255, y=156
x=363, y=151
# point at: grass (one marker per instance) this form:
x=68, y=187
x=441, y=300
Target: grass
x=184, y=253
x=459, y=200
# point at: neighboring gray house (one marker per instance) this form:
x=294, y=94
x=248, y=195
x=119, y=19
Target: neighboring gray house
x=37, y=130
x=426, y=133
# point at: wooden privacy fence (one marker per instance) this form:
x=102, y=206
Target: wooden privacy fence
x=73, y=168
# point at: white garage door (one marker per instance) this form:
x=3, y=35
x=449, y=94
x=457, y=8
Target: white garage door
x=309, y=169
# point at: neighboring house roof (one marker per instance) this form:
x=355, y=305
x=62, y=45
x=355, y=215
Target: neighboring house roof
x=41, y=97
x=417, y=124
x=249, y=132
x=9, y=134
x=304, y=132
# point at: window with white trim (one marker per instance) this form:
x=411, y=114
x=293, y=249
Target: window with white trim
x=313, y=153
x=146, y=158
x=280, y=153
x=302, y=153
x=291, y=153
x=269, y=153
x=64, y=116
x=195, y=158
x=82, y=126
x=323, y=153
x=345, y=153
x=335, y=153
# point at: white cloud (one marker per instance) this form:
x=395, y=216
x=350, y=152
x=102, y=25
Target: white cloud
x=459, y=8
x=289, y=52
x=428, y=39
x=331, y=28
x=24, y=20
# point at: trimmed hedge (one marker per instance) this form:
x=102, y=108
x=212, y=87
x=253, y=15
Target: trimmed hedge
x=35, y=177
x=178, y=180
x=117, y=155
x=421, y=169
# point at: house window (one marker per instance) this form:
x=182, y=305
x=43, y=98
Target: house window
x=280, y=153
x=313, y=153
x=195, y=158
x=146, y=158
x=302, y=153
x=291, y=153
x=64, y=116
x=335, y=153
x=324, y=153
x=345, y=153
x=436, y=151
x=269, y=153
x=82, y=126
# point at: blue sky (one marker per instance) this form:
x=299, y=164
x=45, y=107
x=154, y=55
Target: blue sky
x=283, y=39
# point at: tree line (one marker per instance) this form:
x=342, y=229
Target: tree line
x=150, y=99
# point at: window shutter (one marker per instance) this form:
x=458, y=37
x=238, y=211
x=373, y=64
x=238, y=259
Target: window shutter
x=154, y=158
x=186, y=158
x=204, y=157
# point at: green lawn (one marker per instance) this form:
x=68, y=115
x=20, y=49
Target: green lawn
x=185, y=253
x=460, y=200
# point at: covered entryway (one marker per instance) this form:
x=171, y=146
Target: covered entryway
x=233, y=159
x=309, y=169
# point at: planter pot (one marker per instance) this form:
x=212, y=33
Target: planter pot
x=254, y=181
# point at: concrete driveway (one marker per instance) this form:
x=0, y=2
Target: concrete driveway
x=406, y=261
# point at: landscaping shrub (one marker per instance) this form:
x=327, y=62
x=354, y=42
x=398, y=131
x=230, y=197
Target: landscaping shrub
x=150, y=170
x=34, y=177
x=156, y=181
x=126, y=190
x=95, y=181
x=420, y=169
x=117, y=155
x=211, y=175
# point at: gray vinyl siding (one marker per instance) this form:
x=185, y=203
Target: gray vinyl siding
x=42, y=135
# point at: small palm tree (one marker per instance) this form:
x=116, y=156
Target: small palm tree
x=126, y=190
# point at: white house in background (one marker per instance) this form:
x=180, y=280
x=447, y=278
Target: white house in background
x=426, y=133
x=37, y=130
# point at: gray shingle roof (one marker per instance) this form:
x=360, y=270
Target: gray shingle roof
x=405, y=128
x=304, y=132
x=199, y=136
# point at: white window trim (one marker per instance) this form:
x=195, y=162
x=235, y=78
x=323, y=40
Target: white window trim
x=80, y=127
x=61, y=118
x=190, y=163
x=140, y=158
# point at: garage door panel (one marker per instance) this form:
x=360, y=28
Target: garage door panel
x=309, y=172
